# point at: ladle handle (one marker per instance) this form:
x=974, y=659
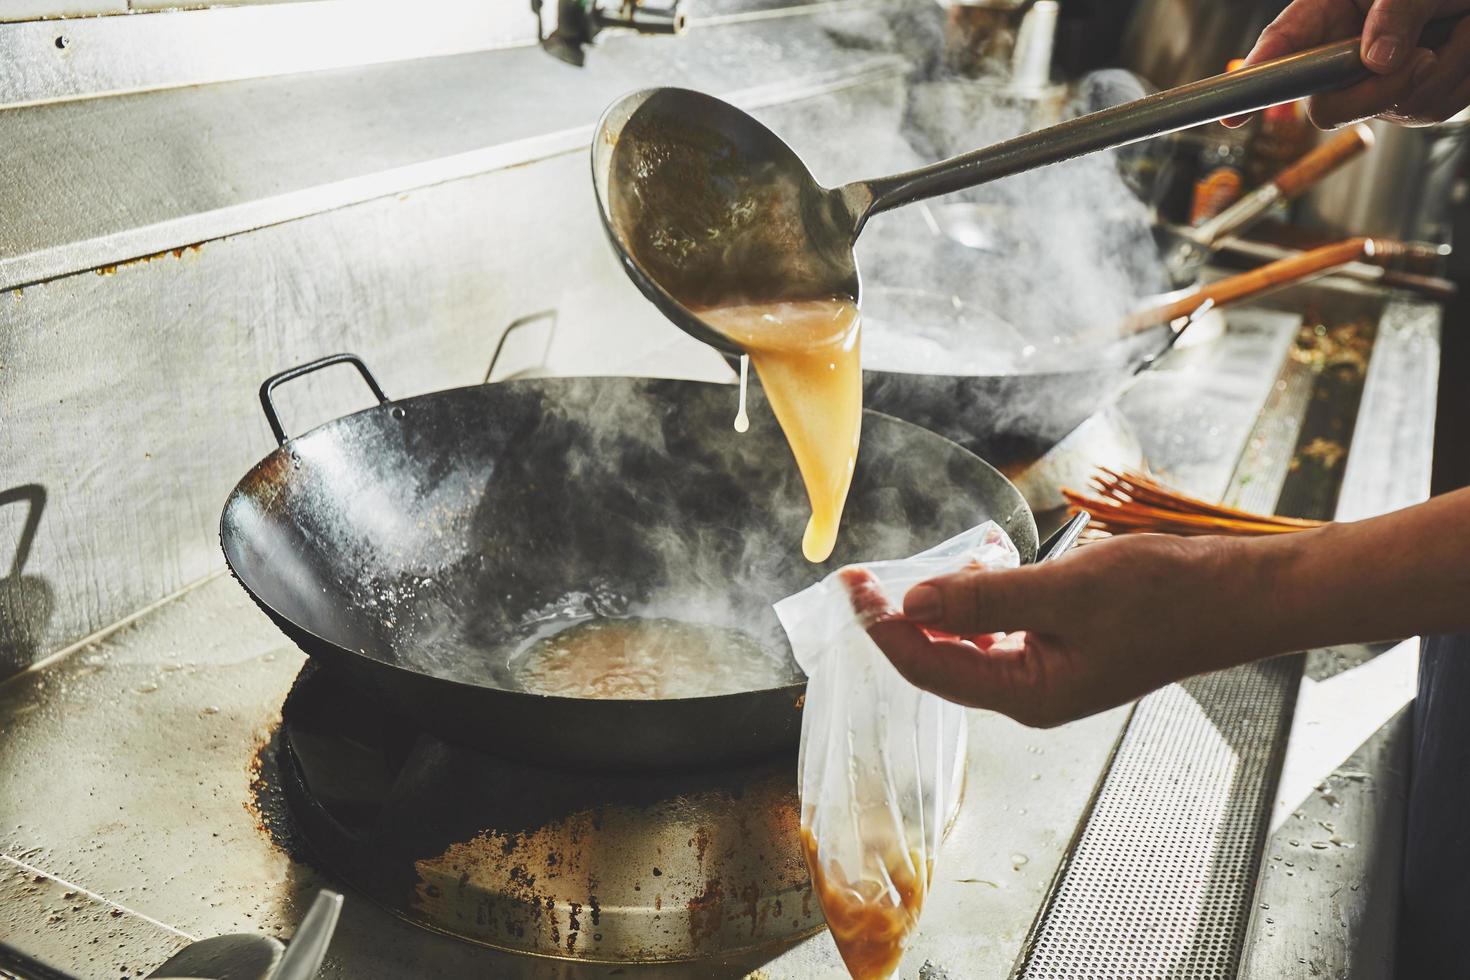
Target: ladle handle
x=1235, y=93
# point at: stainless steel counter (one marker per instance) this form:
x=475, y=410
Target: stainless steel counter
x=369, y=208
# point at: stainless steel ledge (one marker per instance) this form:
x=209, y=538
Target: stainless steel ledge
x=87, y=184
x=51, y=61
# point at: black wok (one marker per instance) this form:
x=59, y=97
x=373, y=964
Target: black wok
x=410, y=546
x=1011, y=416
x=1014, y=417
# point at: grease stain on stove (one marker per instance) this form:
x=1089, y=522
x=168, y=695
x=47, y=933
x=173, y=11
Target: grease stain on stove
x=266, y=804
x=531, y=860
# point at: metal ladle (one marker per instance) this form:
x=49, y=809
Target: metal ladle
x=707, y=206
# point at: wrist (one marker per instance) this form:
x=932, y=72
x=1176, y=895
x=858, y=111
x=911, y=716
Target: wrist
x=1272, y=593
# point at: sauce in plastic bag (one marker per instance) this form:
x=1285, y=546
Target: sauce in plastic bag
x=870, y=919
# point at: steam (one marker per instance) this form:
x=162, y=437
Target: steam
x=587, y=498
x=570, y=499
x=1005, y=278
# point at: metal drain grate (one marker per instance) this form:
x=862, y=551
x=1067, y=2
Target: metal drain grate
x=1160, y=880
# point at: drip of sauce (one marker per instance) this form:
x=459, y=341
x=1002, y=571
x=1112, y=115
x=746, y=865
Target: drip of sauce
x=806, y=355
x=742, y=418
x=872, y=916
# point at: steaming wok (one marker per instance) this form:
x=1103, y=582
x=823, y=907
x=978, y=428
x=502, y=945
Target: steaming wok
x=1013, y=417
x=1015, y=414
x=1008, y=407
x=409, y=546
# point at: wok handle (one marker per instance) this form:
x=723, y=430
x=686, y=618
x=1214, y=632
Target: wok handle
x=289, y=374
x=517, y=324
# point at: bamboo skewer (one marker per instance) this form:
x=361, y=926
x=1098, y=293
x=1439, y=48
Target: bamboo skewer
x=1129, y=502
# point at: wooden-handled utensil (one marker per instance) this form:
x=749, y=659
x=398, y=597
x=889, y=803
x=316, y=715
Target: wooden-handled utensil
x=1195, y=245
x=1340, y=149
x=1283, y=272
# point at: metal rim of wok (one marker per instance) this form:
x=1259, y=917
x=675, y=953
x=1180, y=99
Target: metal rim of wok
x=263, y=546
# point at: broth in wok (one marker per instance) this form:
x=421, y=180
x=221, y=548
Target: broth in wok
x=646, y=658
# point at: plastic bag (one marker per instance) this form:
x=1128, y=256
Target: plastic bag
x=882, y=763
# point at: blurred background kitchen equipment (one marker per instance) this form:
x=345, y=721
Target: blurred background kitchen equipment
x=993, y=228
x=1401, y=190
x=695, y=230
x=980, y=35
x=1031, y=59
x=1016, y=416
x=1185, y=253
x=1172, y=42
x=579, y=22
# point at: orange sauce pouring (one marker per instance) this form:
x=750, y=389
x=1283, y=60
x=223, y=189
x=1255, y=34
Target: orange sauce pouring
x=870, y=918
x=806, y=355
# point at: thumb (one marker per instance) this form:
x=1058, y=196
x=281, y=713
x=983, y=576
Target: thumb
x=1391, y=32
x=987, y=600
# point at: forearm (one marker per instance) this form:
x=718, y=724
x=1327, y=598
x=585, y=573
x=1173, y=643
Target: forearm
x=1402, y=574
x=1054, y=641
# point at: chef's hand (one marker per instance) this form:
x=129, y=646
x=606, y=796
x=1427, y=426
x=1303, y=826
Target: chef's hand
x=1410, y=84
x=1113, y=620
x=1060, y=640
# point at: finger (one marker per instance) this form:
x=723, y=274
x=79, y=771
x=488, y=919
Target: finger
x=866, y=595
x=1271, y=44
x=957, y=670
x=1306, y=25
x=1434, y=98
x=1377, y=95
x=938, y=666
x=986, y=601
x=1391, y=32
x=1298, y=27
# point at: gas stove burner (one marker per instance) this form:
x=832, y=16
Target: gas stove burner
x=619, y=868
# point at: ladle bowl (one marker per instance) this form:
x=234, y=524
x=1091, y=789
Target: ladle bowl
x=706, y=205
